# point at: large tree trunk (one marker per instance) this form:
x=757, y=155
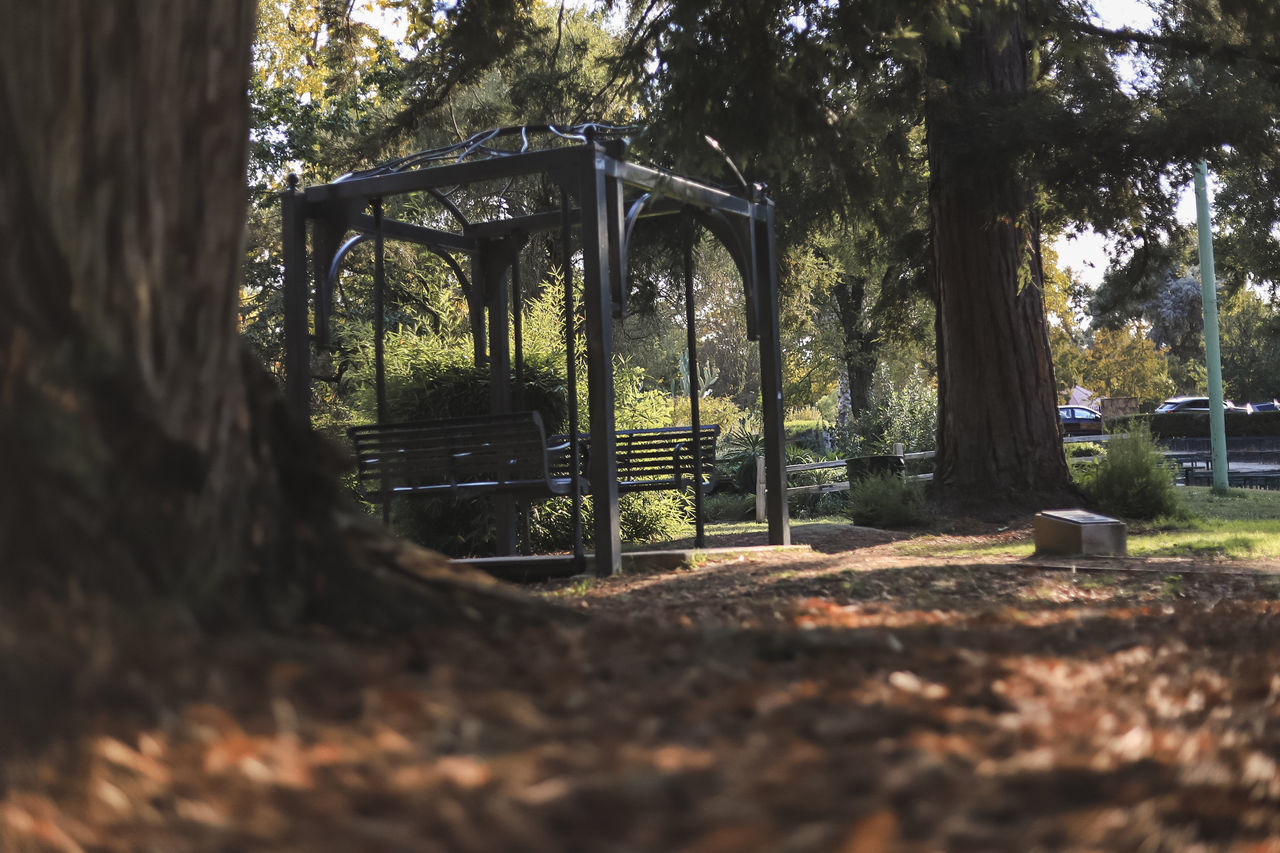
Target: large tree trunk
x=859, y=342
x=998, y=427
x=144, y=454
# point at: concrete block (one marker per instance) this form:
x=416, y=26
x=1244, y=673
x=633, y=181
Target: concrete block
x=1076, y=531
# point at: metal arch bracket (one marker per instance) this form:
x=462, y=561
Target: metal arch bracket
x=628, y=226
x=325, y=306
x=735, y=236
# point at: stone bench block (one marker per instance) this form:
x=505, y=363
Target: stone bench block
x=1076, y=531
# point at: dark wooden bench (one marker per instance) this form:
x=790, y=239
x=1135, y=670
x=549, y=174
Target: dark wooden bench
x=462, y=457
x=655, y=459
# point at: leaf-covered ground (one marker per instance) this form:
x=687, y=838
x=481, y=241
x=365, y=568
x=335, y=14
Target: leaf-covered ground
x=859, y=697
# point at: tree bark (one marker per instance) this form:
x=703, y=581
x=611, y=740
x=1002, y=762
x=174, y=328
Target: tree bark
x=146, y=455
x=858, y=341
x=998, y=435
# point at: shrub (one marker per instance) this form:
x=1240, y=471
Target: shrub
x=736, y=462
x=905, y=414
x=729, y=506
x=1132, y=479
x=887, y=501
x=428, y=377
x=1077, y=449
x=711, y=410
x=642, y=517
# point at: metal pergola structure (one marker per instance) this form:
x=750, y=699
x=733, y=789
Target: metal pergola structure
x=604, y=195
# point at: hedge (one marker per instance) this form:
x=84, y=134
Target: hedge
x=1196, y=424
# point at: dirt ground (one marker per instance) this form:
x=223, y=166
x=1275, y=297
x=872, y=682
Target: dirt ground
x=851, y=698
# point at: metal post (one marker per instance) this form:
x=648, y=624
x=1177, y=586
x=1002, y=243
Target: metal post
x=1212, y=352
x=597, y=306
x=494, y=258
x=775, y=449
x=379, y=331
x=695, y=414
x=761, y=488
x=379, y=318
x=571, y=371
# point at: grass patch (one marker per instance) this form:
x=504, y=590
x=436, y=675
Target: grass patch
x=736, y=527
x=976, y=547
x=1236, y=504
x=1243, y=524
x=1235, y=539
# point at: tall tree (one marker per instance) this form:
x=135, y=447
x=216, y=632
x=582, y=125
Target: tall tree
x=995, y=371
x=1008, y=90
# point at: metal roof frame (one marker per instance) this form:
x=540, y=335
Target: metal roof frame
x=609, y=194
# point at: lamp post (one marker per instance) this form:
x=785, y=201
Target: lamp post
x=1212, y=353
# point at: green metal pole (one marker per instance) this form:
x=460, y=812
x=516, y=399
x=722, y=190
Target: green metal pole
x=1212, y=353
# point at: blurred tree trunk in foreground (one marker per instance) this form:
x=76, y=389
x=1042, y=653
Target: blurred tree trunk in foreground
x=144, y=454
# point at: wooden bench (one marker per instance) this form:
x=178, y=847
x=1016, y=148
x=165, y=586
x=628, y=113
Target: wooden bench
x=655, y=459
x=505, y=454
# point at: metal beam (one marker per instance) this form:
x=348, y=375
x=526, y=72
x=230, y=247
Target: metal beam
x=394, y=229
x=683, y=189
x=555, y=160
x=530, y=224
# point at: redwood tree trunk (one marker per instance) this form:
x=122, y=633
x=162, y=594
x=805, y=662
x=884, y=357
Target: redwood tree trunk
x=998, y=428
x=144, y=453
x=124, y=131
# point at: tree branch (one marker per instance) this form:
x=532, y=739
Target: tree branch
x=1175, y=42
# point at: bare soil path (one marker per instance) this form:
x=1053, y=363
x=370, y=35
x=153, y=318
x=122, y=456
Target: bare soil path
x=854, y=698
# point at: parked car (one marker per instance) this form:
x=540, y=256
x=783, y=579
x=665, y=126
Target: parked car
x=1266, y=406
x=1080, y=420
x=1193, y=404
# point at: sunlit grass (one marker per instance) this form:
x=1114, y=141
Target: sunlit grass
x=1242, y=524
x=948, y=546
x=733, y=527
x=1234, y=538
x=1236, y=504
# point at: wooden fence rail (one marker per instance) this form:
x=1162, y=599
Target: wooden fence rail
x=843, y=486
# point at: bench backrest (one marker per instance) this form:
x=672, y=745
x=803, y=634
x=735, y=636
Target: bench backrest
x=656, y=458
x=501, y=452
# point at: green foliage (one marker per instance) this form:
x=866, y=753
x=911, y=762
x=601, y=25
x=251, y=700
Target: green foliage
x=887, y=501
x=711, y=410
x=1081, y=449
x=736, y=463
x=642, y=516
x=427, y=377
x=1125, y=362
x=636, y=407
x=1132, y=479
x=1250, y=333
x=729, y=506
x=904, y=412
x=459, y=528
